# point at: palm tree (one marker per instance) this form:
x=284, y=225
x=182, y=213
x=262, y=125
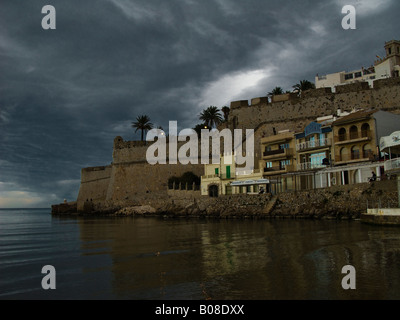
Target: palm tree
x=142, y=123
x=276, y=91
x=211, y=116
x=303, y=85
x=225, y=111
x=200, y=127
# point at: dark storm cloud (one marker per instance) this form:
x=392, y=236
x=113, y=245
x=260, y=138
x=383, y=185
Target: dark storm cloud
x=66, y=93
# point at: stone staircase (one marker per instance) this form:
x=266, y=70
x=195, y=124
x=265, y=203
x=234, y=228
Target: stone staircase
x=270, y=206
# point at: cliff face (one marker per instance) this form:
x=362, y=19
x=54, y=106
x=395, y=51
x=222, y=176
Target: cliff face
x=130, y=179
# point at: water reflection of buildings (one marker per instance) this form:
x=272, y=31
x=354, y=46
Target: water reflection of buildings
x=285, y=259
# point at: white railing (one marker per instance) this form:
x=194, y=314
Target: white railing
x=309, y=166
x=393, y=164
x=313, y=144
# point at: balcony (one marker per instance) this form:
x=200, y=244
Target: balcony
x=309, y=166
x=281, y=153
x=279, y=169
x=210, y=176
x=309, y=145
x=353, y=137
x=392, y=165
x=355, y=157
x=222, y=176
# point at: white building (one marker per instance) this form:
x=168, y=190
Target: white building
x=383, y=68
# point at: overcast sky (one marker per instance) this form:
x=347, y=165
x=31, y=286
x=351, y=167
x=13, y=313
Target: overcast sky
x=66, y=93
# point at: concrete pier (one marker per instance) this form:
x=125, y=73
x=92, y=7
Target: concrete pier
x=382, y=216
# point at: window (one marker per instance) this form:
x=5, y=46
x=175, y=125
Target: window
x=217, y=171
x=269, y=165
x=364, y=130
x=284, y=163
x=367, y=151
x=322, y=139
x=348, y=76
x=355, y=153
x=316, y=159
x=284, y=146
x=357, y=75
x=353, y=132
x=267, y=149
x=342, y=134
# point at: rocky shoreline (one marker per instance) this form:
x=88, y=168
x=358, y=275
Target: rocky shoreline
x=335, y=203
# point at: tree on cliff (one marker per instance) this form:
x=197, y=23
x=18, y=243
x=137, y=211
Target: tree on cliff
x=211, y=116
x=142, y=123
x=303, y=85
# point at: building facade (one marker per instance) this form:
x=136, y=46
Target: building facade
x=278, y=160
x=383, y=68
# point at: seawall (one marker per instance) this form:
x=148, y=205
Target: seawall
x=339, y=202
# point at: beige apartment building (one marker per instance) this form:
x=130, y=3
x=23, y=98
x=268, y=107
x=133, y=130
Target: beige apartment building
x=356, y=146
x=382, y=68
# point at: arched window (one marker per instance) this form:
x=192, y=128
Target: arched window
x=353, y=132
x=367, y=151
x=342, y=134
x=343, y=154
x=355, y=153
x=365, y=130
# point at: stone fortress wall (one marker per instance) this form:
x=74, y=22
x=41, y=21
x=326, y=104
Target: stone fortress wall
x=130, y=177
x=290, y=112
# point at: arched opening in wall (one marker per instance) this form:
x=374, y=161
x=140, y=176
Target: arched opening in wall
x=342, y=134
x=343, y=154
x=353, y=132
x=355, y=152
x=213, y=191
x=365, y=130
x=367, y=151
x=357, y=176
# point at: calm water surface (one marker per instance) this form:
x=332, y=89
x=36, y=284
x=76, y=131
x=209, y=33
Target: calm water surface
x=151, y=258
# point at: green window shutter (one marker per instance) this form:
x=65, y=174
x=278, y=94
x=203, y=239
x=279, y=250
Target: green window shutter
x=217, y=171
x=228, y=172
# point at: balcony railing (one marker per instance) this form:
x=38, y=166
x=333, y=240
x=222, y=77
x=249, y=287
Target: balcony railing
x=287, y=168
x=210, y=176
x=224, y=176
x=347, y=137
x=313, y=144
x=273, y=152
x=354, y=156
x=393, y=164
x=309, y=166
x=278, y=153
x=272, y=169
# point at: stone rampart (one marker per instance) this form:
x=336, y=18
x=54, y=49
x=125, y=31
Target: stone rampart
x=130, y=176
x=316, y=103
